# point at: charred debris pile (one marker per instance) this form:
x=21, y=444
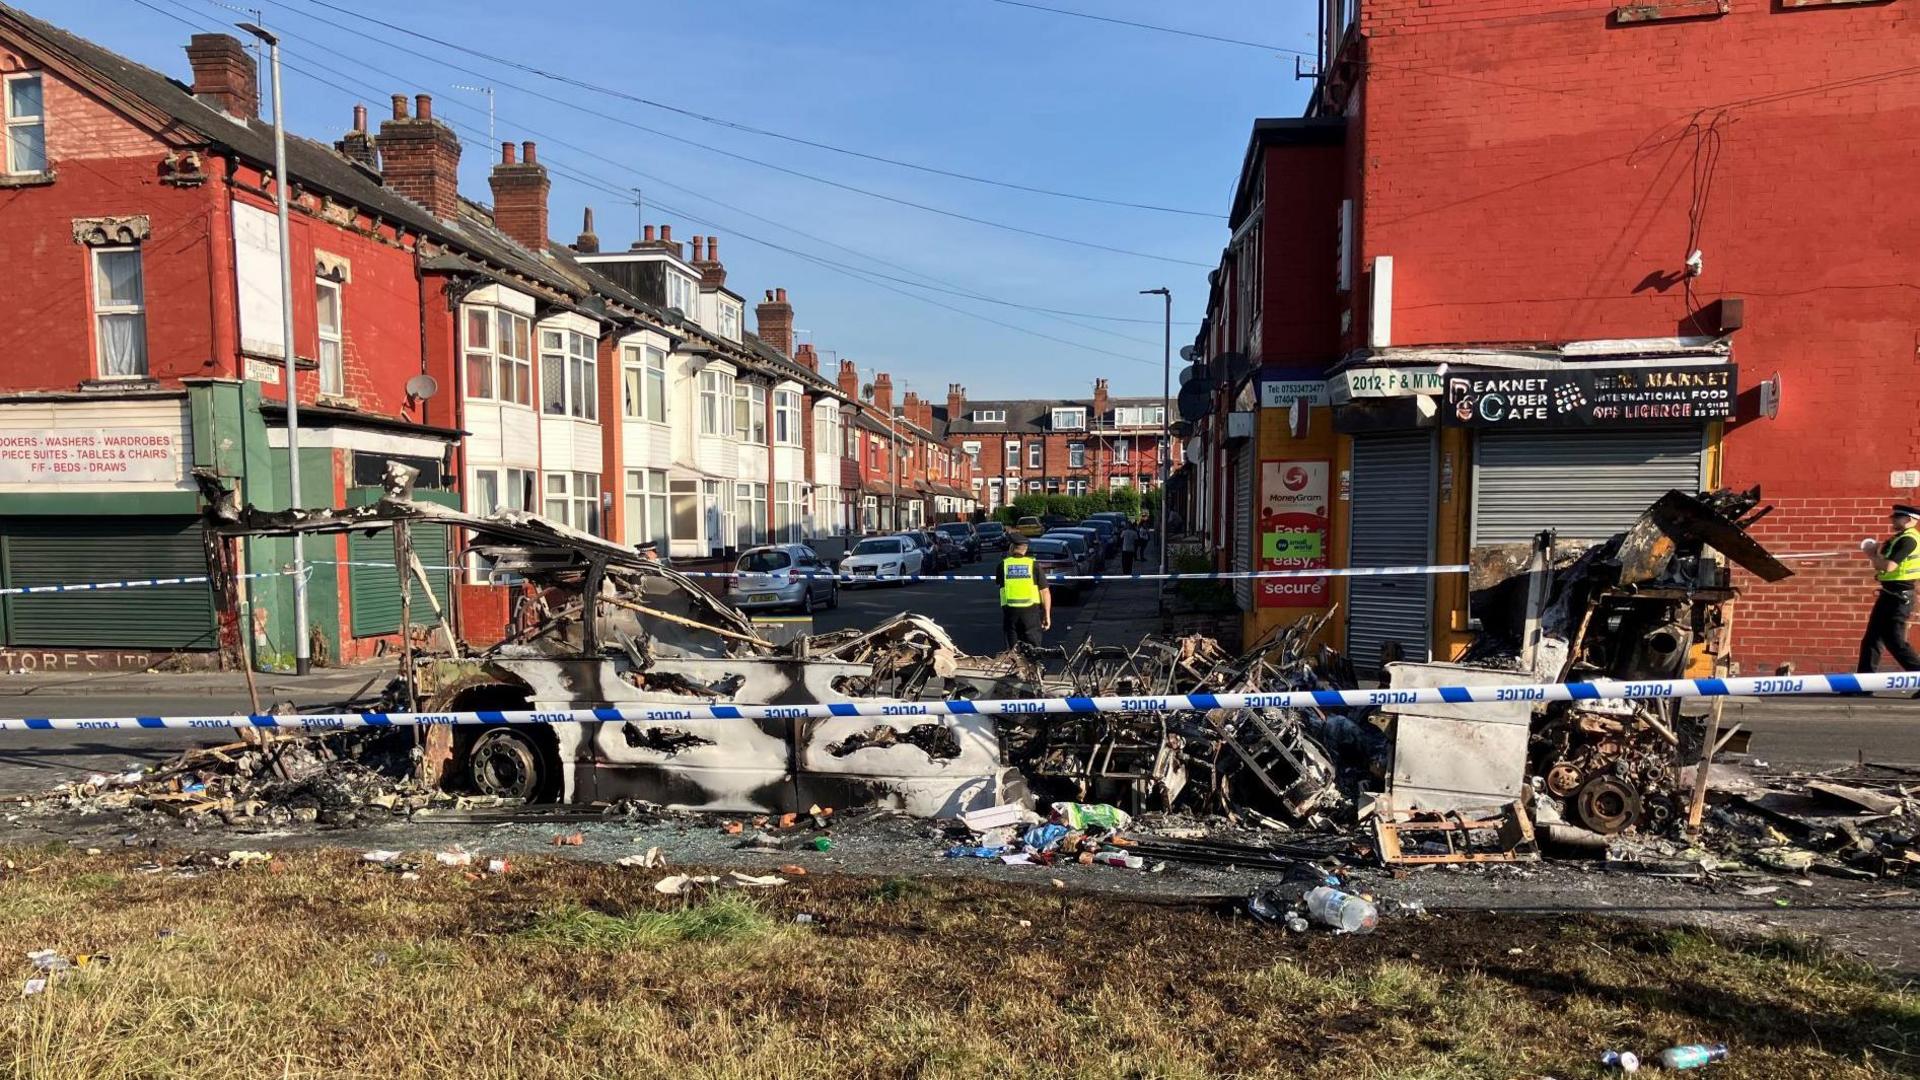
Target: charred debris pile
x=596, y=625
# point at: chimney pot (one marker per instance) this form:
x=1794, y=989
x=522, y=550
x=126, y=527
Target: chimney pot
x=506, y=153
x=780, y=295
x=422, y=107
x=359, y=118
x=647, y=234
x=399, y=106
x=666, y=234
x=696, y=249
x=769, y=296
x=587, y=242
x=713, y=249
x=526, y=153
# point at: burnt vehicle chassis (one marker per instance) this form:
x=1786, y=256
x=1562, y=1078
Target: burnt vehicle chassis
x=600, y=625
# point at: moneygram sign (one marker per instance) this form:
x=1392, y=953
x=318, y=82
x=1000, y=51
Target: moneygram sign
x=1293, y=529
x=91, y=456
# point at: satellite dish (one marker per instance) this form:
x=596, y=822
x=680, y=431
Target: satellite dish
x=422, y=386
x=1187, y=373
x=1196, y=401
x=1186, y=353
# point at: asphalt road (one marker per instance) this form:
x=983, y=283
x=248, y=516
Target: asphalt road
x=970, y=610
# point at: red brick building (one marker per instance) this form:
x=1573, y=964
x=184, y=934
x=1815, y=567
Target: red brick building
x=1556, y=188
x=1064, y=447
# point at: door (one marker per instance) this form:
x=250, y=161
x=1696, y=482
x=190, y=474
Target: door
x=1585, y=485
x=67, y=550
x=1391, y=525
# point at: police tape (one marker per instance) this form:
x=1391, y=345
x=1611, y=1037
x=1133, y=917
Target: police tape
x=1599, y=689
x=1223, y=575
x=144, y=583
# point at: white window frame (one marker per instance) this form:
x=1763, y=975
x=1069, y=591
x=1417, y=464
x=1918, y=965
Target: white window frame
x=1035, y=450
x=1077, y=455
x=103, y=311
x=754, y=397
x=1119, y=451
x=989, y=416
x=729, y=321
x=716, y=403
x=21, y=123
x=332, y=351
x=786, y=415
x=680, y=293
x=826, y=430
x=643, y=383
x=576, y=356
x=1070, y=419
x=649, y=513
x=574, y=501
x=1013, y=454
x=749, y=513
x=497, y=355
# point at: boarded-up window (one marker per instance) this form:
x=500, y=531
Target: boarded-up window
x=256, y=263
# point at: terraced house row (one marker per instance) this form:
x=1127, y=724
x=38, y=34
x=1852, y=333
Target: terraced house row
x=617, y=390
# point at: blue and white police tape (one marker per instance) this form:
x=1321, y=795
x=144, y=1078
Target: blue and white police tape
x=1765, y=686
x=144, y=583
x=1223, y=575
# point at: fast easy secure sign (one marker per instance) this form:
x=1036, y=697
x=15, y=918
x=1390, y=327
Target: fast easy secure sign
x=1590, y=396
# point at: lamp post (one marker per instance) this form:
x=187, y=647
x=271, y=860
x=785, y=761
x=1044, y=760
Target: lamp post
x=1166, y=413
x=302, y=649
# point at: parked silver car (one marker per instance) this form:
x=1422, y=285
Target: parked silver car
x=781, y=576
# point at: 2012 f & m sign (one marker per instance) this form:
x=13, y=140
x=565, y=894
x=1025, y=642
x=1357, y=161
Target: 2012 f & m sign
x=1590, y=396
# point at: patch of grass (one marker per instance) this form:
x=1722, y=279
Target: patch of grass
x=330, y=969
x=93, y=882
x=728, y=917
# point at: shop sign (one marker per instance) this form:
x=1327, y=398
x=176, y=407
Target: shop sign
x=1293, y=529
x=91, y=456
x=1282, y=393
x=1576, y=397
x=1388, y=382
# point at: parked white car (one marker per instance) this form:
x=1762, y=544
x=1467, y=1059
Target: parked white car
x=882, y=558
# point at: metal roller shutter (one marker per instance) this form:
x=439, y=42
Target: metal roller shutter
x=1242, y=514
x=1392, y=525
x=1586, y=485
x=375, y=590
x=74, y=550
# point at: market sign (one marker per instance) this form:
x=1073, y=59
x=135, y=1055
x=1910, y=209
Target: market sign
x=91, y=456
x=1590, y=396
x=1387, y=382
x=1293, y=527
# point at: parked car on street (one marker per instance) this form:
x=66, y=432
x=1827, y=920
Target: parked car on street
x=1115, y=516
x=883, y=558
x=1109, y=534
x=1030, y=525
x=944, y=551
x=993, y=536
x=962, y=533
x=1096, y=544
x=1085, y=545
x=782, y=576
x=1052, y=557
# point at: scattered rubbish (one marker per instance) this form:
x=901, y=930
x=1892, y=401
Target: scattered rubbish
x=733, y=828
x=647, y=860
x=1624, y=1060
x=676, y=884
x=1785, y=858
x=755, y=881
x=805, y=918
x=569, y=840
x=994, y=817
x=49, y=960
x=1081, y=816
x=792, y=870
x=33, y=986
x=1692, y=1056
x=822, y=843
x=241, y=858
x=1343, y=911
x=1120, y=859
x=380, y=856
x=1044, y=838
x=454, y=857
x=1759, y=890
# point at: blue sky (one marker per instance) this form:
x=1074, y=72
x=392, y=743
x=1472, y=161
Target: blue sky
x=971, y=86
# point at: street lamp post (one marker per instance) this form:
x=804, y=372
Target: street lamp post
x=302, y=650
x=1166, y=413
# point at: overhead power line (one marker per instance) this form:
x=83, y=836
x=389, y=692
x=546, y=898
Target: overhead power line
x=1158, y=29
x=751, y=129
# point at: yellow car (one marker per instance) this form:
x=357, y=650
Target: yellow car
x=1030, y=526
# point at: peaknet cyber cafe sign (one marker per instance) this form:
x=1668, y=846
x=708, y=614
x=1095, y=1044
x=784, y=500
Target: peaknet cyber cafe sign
x=1293, y=530
x=1588, y=397
x=91, y=456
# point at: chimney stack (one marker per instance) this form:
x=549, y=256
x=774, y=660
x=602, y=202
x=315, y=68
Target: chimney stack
x=849, y=377
x=805, y=356
x=1099, y=417
x=420, y=157
x=773, y=321
x=358, y=143
x=925, y=417
x=587, y=243
x=956, y=401
x=520, y=197
x=707, y=261
x=224, y=75
x=883, y=394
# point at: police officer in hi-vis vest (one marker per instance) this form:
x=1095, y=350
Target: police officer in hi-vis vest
x=1897, y=565
x=1026, y=604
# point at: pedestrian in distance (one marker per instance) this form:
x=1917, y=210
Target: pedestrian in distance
x=1129, y=547
x=1026, y=603
x=1896, y=564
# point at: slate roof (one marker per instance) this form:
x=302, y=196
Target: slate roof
x=1029, y=416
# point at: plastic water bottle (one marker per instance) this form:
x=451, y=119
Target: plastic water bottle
x=1624, y=1060
x=1692, y=1056
x=1342, y=911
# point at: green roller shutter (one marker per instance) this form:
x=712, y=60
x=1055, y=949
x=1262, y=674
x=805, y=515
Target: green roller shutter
x=69, y=550
x=375, y=590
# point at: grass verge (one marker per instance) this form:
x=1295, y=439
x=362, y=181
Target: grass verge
x=319, y=965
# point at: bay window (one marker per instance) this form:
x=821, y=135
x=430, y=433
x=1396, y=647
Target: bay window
x=716, y=402
x=647, y=507
x=499, y=352
x=643, y=383
x=573, y=499
x=568, y=383
x=749, y=514
x=786, y=417
x=120, y=312
x=750, y=413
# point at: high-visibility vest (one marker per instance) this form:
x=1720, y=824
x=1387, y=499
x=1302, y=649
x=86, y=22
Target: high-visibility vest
x=1907, y=569
x=1020, y=584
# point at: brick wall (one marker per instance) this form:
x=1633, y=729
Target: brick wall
x=1540, y=189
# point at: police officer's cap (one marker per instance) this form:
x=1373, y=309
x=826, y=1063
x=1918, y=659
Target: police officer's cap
x=1908, y=509
x=1019, y=540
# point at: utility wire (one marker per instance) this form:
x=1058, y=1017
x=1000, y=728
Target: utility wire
x=1158, y=29
x=613, y=188
x=750, y=129
x=938, y=285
